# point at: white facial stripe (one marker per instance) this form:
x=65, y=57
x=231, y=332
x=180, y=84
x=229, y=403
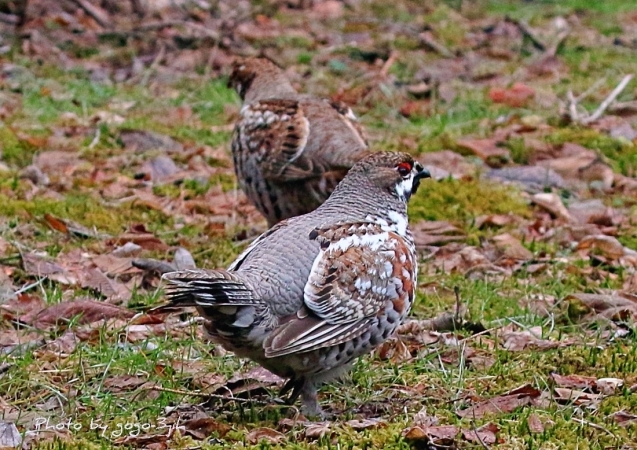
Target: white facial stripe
x=403, y=189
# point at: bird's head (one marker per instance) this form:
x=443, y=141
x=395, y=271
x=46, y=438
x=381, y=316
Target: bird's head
x=248, y=73
x=394, y=172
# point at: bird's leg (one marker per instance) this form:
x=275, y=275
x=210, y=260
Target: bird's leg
x=310, y=405
x=297, y=385
x=291, y=383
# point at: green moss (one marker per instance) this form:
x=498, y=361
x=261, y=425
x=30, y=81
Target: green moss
x=14, y=151
x=621, y=154
x=83, y=209
x=462, y=201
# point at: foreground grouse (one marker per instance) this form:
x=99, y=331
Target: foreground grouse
x=315, y=292
x=290, y=150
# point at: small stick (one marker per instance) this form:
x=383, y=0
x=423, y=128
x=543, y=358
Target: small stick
x=608, y=100
x=526, y=30
x=590, y=90
x=456, y=291
x=475, y=430
x=97, y=13
x=593, y=425
x=390, y=62
x=427, y=39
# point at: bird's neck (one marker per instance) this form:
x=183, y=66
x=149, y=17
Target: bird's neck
x=375, y=206
x=269, y=86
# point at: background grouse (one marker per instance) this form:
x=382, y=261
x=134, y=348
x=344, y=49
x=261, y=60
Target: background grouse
x=290, y=150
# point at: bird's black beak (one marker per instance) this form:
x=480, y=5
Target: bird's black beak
x=421, y=172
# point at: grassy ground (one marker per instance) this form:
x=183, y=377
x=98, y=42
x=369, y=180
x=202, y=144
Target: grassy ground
x=132, y=384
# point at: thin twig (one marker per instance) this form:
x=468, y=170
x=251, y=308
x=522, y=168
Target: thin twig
x=561, y=37
x=390, y=62
x=590, y=90
x=153, y=66
x=207, y=395
x=475, y=430
x=608, y=100
x=456, y=291
x=428, y=40
x=97, y=13
x=593, y=425
x=527, y=31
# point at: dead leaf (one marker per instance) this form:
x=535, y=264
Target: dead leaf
x=534, y=423
x=487, y=150
x=140, y=141
x=573, y=381
x=504, y=403
x=89, y=311
x=450, y=162
x=428, y=233
x=364, y=424
x=201, y=428
x=565, y=395
x=486, y=434
x=10, y=437
x=516, y=96
x=624, y=419
x=607, y=246
x=512, y=248
x=608, y=386
x=23, y=307
x=316, y=430
x=553, y=204
x=441, y=435
x=123, y=383
x=608, y=306
x=265, y=434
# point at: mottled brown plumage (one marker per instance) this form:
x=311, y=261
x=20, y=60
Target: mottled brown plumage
x=290, y=150
x=315, y=292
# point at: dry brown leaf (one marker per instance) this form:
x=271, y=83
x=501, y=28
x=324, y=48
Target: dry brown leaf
x=535, y=423
x=123, y=383
x=440, y=435
x=607, y=246
x=24, y=307
x=487, y=150
x=203, y=427
x=265, y=434
x=624, y=418
x=574, y=396
x=449, y=162
x=504, y=403
x=511, y=247
x=573, y=381
x=608, y=306
x=553, y=204
x=486, y=434
x=515, y=96
x=89, y=311
x=316, y=430
x=363, y=424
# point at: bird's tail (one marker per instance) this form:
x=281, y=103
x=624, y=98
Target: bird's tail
x=227, y=301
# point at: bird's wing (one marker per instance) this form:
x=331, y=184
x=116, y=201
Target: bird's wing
x=275, y=133
x=361, y=268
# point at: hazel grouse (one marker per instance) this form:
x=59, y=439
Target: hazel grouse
x=317, y=291
x=290, y=150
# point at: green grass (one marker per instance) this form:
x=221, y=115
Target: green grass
x=82, y=384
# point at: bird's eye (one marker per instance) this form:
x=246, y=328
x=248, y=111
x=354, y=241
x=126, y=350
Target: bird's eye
x=404, y=169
